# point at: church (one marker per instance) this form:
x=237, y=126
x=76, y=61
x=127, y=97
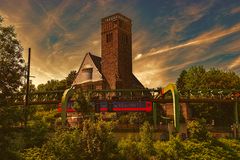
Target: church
x=113, y=70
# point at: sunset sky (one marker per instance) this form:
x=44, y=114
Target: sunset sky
x=168, y=35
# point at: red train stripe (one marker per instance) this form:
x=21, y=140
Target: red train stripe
x=103, y=109
x=131, y=109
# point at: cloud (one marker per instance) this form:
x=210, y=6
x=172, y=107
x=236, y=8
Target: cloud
x=235, y=10
x=61, y=32
x=235, y=64
x=208, y=37
x=164, y=64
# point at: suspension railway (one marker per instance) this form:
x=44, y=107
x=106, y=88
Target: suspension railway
x=133, y=100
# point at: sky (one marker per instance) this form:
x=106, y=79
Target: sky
x=168, y=35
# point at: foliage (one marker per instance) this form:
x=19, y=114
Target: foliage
x=181, y=82
x=52, y=85
x=82, y=103
x=70, y=78
x=11, y=69
x=146, y=140
x=198, y=78
x=39, y=126
x=128, y=149
x=133, y=118
x=11, y=74
x=198, y=131
x=94, y=141
x=170, y=150
x=32, y=88
x=11, y=60
x=140, y=147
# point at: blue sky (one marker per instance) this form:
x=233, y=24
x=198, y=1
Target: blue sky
x=168, y=35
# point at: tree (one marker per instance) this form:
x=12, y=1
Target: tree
x=11, y=60
x=52, y=85
x=71, y=77
x=82, y=103
x=181, y=82
x=197, y=78
x=32, y=88
x=11, y=71
x=11, y=74
x=194, y=78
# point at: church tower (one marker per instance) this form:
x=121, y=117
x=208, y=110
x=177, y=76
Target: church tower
x=116, y=48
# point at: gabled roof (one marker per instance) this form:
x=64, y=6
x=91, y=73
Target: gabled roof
x=97, y=61
x=89, y=61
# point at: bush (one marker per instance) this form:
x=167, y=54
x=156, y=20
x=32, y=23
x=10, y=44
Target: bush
x=198, y=131
x=94, y=141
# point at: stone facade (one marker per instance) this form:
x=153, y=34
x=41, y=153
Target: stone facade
x=114, y=69
x=117, y=51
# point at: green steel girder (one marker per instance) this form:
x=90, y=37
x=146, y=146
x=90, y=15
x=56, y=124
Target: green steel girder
x=66, y=95
x=176, y=106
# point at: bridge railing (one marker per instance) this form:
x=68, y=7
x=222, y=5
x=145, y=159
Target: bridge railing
x=191, y=96
x=37, y=98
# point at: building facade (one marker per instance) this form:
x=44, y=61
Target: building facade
x=113, y=70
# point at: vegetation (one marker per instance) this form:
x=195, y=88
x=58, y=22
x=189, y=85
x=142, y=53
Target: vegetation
x=11, y=74
x=93, y=141
x=198, y=78
x=82, y=104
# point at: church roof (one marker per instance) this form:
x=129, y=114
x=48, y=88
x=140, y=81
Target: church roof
x=97, y=61
x=90, y=70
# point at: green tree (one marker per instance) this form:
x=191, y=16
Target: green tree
x=82, y=103
x=197, y=78
x=11, y=61
x=194, y=78
x=52, y=85
x=181, y=82
x=217, y=79
x=71, y=77
x=11, y=74
x=32, y=88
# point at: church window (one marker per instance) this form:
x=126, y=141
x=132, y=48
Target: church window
x=109, y=37
x=87, y=73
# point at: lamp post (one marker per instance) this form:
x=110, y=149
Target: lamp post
x=27, y=89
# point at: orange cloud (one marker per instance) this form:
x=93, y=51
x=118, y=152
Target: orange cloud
x=235, y=63
x=208, y=37
x=235, y=10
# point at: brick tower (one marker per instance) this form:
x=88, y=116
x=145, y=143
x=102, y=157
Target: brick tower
x=116, y=45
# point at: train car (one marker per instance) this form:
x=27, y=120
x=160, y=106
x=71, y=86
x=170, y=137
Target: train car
x=123, y=106
x=69, y=107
